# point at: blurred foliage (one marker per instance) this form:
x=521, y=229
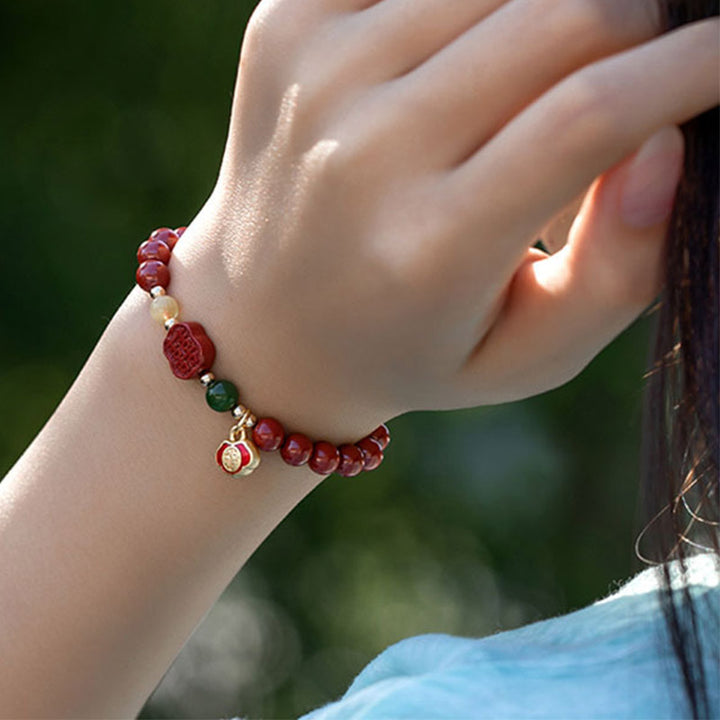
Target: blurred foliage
x=113, y=123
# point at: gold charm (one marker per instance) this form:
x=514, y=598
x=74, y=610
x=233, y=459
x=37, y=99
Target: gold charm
x=238, y=455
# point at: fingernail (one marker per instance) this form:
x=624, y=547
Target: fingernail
x=652, y=178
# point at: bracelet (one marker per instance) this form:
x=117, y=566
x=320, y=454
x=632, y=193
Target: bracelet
x=191, y=353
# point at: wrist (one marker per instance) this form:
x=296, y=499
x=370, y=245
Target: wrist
x=257, y=348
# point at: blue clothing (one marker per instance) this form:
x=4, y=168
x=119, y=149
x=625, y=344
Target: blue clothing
x=609, y=660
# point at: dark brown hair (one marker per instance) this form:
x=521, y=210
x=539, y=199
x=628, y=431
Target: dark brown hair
x=679, y=492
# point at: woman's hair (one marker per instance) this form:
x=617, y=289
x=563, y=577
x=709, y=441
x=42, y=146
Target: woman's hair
x=680, y=493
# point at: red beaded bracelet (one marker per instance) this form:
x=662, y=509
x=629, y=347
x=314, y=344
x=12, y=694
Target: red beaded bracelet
x=191, y=353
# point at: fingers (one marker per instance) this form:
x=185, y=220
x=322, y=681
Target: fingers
x=408, y=32
x=564, y=309
x=476, y=63
x=487, y=75
x=375, y=40
x=545, y=157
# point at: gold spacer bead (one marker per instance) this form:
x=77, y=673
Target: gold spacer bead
x=207, y=378
x=169, y=323
x=157, y=291
x=243, y=416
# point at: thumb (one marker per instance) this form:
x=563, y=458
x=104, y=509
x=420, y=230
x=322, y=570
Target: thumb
x=563, y=309
x=616, y=244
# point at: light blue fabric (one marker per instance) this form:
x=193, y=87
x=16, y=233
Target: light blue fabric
x=609, y=660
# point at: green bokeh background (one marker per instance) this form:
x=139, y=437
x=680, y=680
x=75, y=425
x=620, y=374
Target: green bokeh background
x=113, y=122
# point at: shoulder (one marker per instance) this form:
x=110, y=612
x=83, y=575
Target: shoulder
x=610, y=659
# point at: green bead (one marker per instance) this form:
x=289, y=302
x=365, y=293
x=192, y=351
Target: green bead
x=222, y=395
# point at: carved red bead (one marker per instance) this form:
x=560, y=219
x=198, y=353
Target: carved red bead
x=188, y=349
x=325, y=458
x=268, y=434
x=153, y=250
x=179, y=231
x=297, y=449
x=152, y=273
x=168, y=236
x=352, y=461
x=372, y=453
x=381, y=435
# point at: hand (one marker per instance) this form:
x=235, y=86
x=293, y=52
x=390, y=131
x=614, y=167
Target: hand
x=389, y=164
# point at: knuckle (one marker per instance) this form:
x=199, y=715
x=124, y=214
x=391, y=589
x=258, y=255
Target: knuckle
x=323, y=88
x=316, y=91
x=310, y=91
x=260, y=24
x=360, y=140
x=268, y=14
x=612, y=21
x=307, y=114
x=342, y=169
x=280, y=28
x=588, y=107
x=582, y=18
x=347, y=156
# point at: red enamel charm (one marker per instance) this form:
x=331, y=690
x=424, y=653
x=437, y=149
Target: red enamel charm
x=188, y=349
x=237, y=455
x=233, y=457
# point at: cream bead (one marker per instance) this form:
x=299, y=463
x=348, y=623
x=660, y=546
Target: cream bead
x=164, y=308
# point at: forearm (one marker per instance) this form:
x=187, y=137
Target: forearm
x=119, y=532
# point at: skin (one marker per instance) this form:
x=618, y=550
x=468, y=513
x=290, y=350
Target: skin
x=363, y=254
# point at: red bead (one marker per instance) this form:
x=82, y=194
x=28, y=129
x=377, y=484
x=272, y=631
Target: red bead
x=381, y=435
x=152, y=273
x=372, y=453
x=297, y=449
x=168, y=236
x=153, y=250
x=188, y=349
x=268, y=434
x=180, y=230
x=352, y=460
x=325, y=458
